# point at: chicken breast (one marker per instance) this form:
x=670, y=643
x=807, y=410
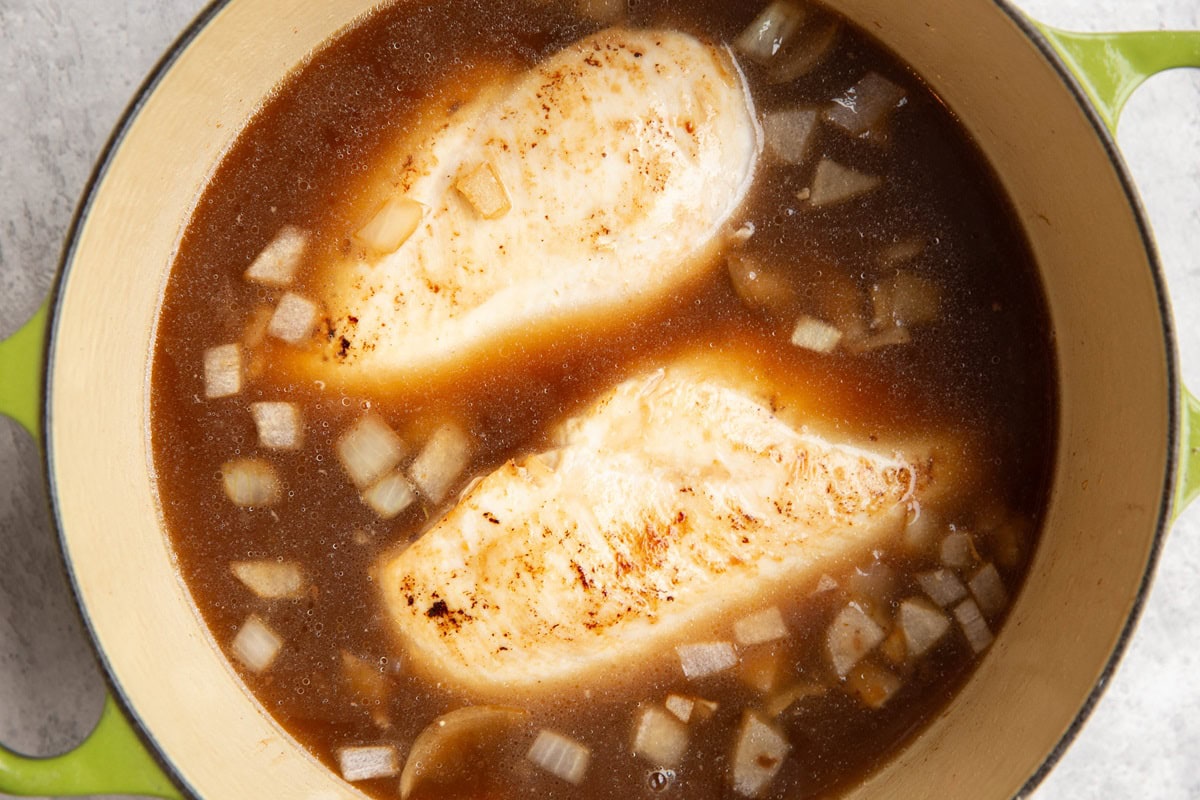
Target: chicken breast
x=674, y=502
x=622, y=158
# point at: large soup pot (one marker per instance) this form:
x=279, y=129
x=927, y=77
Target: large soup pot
x=1126, y=460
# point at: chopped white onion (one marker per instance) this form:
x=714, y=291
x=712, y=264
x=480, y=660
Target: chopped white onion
x=865, y=104
x=826, y=583
x=851, y=636
x=706, y=658
x=760, y=288
x=441, y=462
x=278, y=424
x=390, y=495
x=276, y=264
x=250, y=482
x=770, y=31
x=787, y=133
x=369, y=450
x=806, y=50
x=368, y=763
x=888, y=337
x=813, y=334
x=915, y=300
x=873, y=582
x=781, y=700
x=942, y=586
x=920, y=531
x=958, y=550
x=560, y=756
x=256, y=645
x=294, y=318
x=873, y=684
x=923, y=625
x=757, y=755
x=364, y=678
x=271, y=580
x=391, y=225
x=680, y=706
x=660, y=738
x=988, y=590
x=833, y=183
x=760, y=668
x=902, y=252
x=976, y=629
x=482, y=188
x=222, y=371
x=762, y=626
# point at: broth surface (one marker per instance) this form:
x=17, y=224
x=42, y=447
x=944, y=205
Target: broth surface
x=320, y=156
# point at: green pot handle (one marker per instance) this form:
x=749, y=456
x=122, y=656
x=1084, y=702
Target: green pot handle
x=112, y=760
x=1110, y=67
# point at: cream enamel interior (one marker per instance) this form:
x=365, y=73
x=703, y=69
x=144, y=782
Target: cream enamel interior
x=1112, y=349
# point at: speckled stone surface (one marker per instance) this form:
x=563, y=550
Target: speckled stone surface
x=69, y=67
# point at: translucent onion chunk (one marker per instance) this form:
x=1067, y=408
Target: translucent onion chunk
x=278, y=424
x=757, y=755
x=660, y=738
x=760, y=288
x=369, y=450
x=271, y=580
x=988, y=590
x=811, y=333
x=457, y=735
x=391, y=225
x=441, y=462
x=294, y=318
x=923, y=625
x=973, y=625
x=482, y=188
x=706, y=658
x=256, y=645
x=851, y=636
x=762, y=626
x=277, y=263
x=957, y=550
x=680, y=706
x=783, y=699
x=915, y=300
x=865, y=104
x=560, y=756
x=250, y=482
x=873, y=684
x=222, y=371
x=788, y=132
x=833, y=183
x=942, y=586
x=390, y=495
x=368, y=763
x=770, y=31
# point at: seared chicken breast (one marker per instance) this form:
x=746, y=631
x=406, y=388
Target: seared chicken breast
x=675, y=500
x=591, y=186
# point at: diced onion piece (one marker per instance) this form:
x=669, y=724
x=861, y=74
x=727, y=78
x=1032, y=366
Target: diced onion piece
x=276, y=264
x=957, y=550
x=770, y=31
x=278, y=425
x=873, y=582
x=942, y=586
x=759, y=288
x=369, y=450
x=704, y=709
x=455, y=737
x=560, y=756
x=762, y=626
x=806, y=50
x=706, y=658
x=368, y=763
x=680, y=706
x=271, y=580
x=222, y=371
x=365, y=679
x=976, y=629
x=988, y=590
x=922, y=624
x=441, y=462
x=851, y=636
x=256, y=645
x=250, y=482
x=826, y=583
x=787, y=133
x=833, y=183
x=893, y=648
x=294, y=318
x=864, y=104
x=660, y=738
x=390, y=495
x=606, y=11
x=888, y=337
x=783, y=699
x=920, y=531
x=902, y=252
x=873, y=684
x=915, y=300
x=391, y=225
x=760, y=668
x=482, y=188
x=811, y=333
x=757, y=756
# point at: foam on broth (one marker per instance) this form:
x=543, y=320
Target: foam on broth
x=323, y=153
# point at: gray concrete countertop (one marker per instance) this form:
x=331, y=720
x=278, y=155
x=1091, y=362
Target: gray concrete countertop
x=67, y=70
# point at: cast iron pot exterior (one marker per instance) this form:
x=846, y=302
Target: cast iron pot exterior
x=1119, y=427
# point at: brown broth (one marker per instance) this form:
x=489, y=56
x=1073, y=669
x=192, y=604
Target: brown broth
x=983, y=371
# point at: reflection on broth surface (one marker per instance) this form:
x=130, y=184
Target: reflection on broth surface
x=699, y=454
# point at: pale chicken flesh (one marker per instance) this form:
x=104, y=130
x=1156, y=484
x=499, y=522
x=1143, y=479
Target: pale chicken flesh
x=625, y=158
x=674, y=501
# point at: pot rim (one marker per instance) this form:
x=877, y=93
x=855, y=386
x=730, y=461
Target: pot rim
x=1031, y=32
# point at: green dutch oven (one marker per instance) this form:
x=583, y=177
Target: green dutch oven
x=1041, y=103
